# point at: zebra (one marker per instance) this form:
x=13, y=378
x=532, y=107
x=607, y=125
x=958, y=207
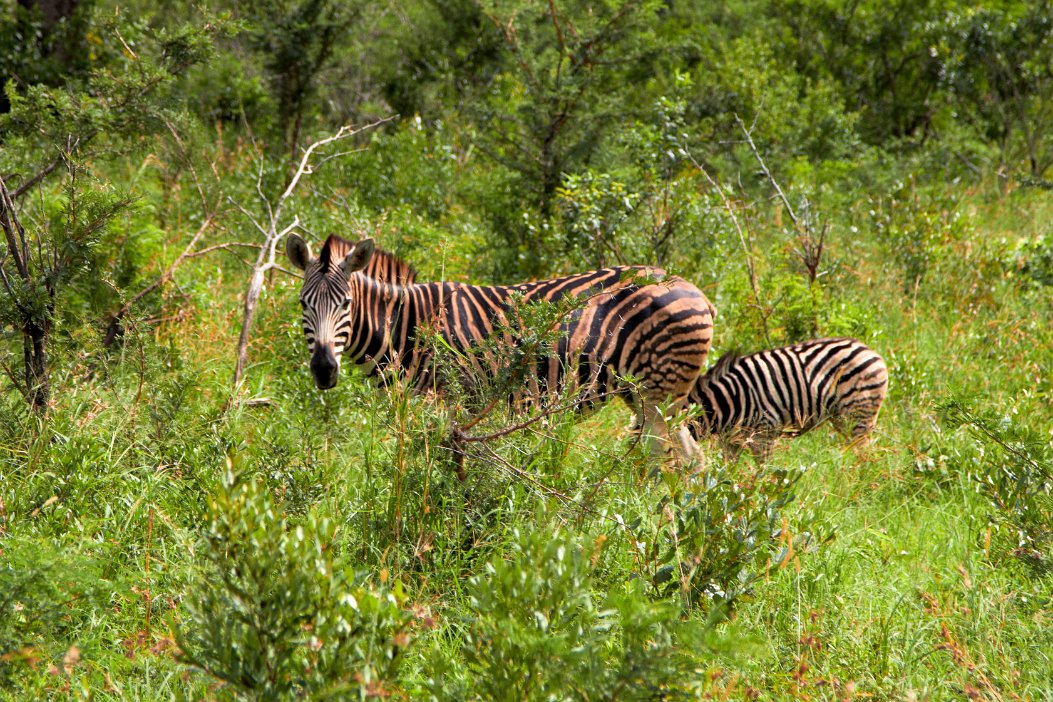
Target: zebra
x=633, y=322
x=749, y=401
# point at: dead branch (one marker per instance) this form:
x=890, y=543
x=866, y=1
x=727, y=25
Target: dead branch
x=746, y=240
x=211, y=212
x=222, y=247
x=114, y=328
x=808, y=249
x=767, y=172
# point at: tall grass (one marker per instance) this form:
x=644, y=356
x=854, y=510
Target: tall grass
x=157, y=541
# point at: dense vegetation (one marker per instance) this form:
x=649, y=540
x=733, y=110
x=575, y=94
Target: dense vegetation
x=179, y=522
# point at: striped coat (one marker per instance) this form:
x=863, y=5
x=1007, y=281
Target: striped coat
x=631, y=322
x=750, y=401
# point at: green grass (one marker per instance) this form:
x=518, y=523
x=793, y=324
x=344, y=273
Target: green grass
x=900, y=586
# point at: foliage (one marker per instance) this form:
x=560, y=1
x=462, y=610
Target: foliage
x=278, y=613
x=51, y=256
x=911, y=142
x=44, y=599
x=1011, y=462
x=998, y=62
x=1033, y=259
x=296, y=40
x=723, y=534
x=540, y=631
x=913, y=230
x=552, y=104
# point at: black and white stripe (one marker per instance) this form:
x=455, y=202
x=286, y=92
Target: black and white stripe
x=750, y=401
x=633, y=322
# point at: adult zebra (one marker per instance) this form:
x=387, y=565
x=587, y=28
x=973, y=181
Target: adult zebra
x=633, y=322
x=749, y=401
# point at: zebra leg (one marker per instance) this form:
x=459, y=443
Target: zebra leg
x=654, y=426
x=862, y=425
x=690, y=448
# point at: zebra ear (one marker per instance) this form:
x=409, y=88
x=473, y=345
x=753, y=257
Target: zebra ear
x=298, y=251
x=358, y=258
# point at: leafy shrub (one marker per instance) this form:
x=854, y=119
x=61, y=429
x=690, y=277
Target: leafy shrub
x=1013, y=466
x=278, y=614
x=1033, y=259
x=913, y=228
x=719, y=539
x=538, y=629
x=44, y=595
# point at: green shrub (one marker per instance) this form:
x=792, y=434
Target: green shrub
x=1013, y=466
x=914, y=229
x=45, y=596
x=541, y=627
x=277, y=613
x=718, y=539
x=1033, y=259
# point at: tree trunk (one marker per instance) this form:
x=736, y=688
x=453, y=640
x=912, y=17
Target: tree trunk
x=35, y=355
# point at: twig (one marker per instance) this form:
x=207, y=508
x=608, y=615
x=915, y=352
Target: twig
x=114, y=327
x=747, y=246
x=502, y=462
x=544, y=414
x=767, y=173
x=224, y=245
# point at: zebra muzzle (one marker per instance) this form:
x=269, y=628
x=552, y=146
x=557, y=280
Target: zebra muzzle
x=325, y=367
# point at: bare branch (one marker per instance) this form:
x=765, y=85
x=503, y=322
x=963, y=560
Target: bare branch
x=114, y=327
x=248, y=216
x=745, y=240
x=40, y=175
x=767, y=173
x=13, y=231
x=223, y=246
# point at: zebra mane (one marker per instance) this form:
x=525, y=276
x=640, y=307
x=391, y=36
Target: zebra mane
x=720, y=369
x=383, y=265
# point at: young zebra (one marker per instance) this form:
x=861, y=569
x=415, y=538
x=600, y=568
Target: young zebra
x=633, y=321
x=749, y=401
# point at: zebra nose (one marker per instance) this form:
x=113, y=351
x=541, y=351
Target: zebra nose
x=324, y=367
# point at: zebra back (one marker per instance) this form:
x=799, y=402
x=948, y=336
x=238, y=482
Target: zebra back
x=383, y=265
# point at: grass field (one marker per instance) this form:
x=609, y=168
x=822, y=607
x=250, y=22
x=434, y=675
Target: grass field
x=159, y=539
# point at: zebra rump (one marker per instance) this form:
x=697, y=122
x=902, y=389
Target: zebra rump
x=752, y=400
x=632, y=322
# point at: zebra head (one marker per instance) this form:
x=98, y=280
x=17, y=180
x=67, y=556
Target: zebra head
x=326, y=299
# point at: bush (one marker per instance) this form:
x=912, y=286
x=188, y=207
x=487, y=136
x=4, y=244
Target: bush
x=1013, y=466
x=277, y=613
x=716, y=541
x=44, y=598
x=540, y=627
x=1033, y=259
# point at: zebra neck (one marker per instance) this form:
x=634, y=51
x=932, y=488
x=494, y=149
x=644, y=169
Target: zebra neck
x=384, y=325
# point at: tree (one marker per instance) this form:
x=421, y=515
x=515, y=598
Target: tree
x=55, y=246
x=877, y=52
x=45, y=42
x=1000, y=64
x=566, y=83
x=297, y=40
